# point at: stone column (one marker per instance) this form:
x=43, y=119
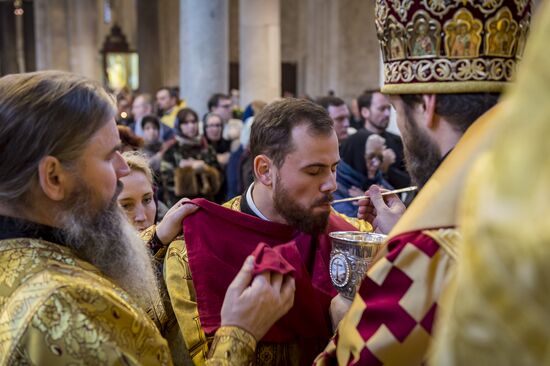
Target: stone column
x=8, y=56
x=66, y=36
x=319, y=42
x=358, y=51
x=148, y=46
x=85, y=58
x=19, y=43
x=339, y=48
x=204, y=40
x=260, y=50
x=169, y=41
x=52, y=51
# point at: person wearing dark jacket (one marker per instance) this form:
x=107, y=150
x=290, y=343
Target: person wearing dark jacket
x=375, y=109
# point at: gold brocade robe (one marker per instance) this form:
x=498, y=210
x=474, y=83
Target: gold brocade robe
x=499, y=310
x=56, y=309
x=391, y=320
x=184, y=302
x=160, y=310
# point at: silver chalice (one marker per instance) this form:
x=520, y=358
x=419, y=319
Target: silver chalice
x=351, y=255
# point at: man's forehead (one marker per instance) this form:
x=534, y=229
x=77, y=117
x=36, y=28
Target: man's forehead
x=380, y=98
x=107, y=136
x=303, y=160
x=313, y=148
x=340, y=108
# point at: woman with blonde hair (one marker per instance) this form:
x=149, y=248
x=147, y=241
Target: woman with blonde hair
x=137, y=200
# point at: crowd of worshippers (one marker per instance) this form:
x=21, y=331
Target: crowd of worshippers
x=93, y=272
x=209, y=157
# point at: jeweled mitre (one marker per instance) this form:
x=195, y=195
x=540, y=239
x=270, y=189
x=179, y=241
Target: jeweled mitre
x=450, y=46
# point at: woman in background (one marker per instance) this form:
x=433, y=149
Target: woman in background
x=213, y=128
x=190, y=167
x=137, y=200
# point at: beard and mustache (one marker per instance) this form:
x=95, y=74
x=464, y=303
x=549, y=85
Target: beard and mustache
x=422, y=155
x=296, y=215
x=105, y=238
x=108, y=241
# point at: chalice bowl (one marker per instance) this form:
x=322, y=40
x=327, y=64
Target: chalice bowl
x=350, y=258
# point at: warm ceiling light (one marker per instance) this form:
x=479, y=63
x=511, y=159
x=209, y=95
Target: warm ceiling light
x=18, y=5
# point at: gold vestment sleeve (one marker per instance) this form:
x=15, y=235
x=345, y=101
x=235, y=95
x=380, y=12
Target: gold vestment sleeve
x=184, y=301
x=232, y=346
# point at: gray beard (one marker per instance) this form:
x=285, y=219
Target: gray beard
x=108, y=241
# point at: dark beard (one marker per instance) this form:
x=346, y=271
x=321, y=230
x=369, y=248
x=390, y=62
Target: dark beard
x=422, y=156
x=297, y=216
x=107, y=240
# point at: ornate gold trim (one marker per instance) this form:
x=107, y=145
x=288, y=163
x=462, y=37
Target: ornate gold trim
x=437, y=7
x=381, y=11
x=521, y=4
x=485, y=6
x=446, y=87
x=441, y=69
x=402, y=7
x=451, y=42
x=441, y=7
x=232, y=346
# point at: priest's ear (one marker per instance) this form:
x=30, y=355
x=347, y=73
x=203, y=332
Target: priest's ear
x=428, y=106
x=263, y=169
x=53, y=178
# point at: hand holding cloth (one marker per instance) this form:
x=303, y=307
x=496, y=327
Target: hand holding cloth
x=219, y=239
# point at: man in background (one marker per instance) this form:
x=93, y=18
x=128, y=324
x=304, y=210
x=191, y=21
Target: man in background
x=374, y=108
x=339, y=112
x=143, y=106
x=169, y=105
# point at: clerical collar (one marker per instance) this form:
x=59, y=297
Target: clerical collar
x=252, y=205
x=12, y=228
